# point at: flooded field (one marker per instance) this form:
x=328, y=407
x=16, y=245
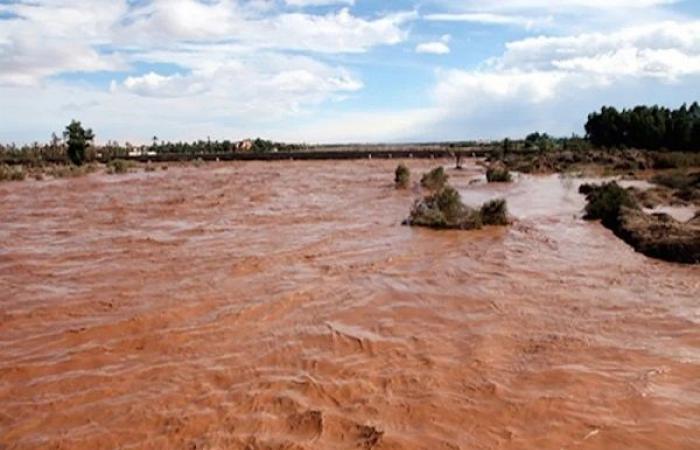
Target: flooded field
x=283, y=306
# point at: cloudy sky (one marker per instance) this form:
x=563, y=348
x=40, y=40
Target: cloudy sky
x=337, y=70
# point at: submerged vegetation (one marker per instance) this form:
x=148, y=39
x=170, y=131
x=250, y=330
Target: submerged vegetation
x=119, y=166
x=498, y=173
x=402, y=176
x=605, y=202
x=444, y=210
x=12, y=173
x=434, y=180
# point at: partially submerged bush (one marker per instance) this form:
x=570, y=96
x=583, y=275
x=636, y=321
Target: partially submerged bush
x=119, y=166
x=444, y=209
x=498, y=173
x=12, y=173
x=70, y=171
x=606, y=201
x=494, y=212
x=434, y=180
x=402, y=176
x=656, y=235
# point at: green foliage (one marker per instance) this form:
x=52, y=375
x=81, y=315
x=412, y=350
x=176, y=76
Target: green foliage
x=494, y=212
x=651, y=128
x=498, y=173
x=402, y=176
x=576, y=144
x=78, y=139
x=12, y=173
x=263, y=146
x=444, y=210
x=542, y=142
x=606, y=201
x=119, y=166
x=434, y=180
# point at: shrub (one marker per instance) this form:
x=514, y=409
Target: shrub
x=498, y=173
x=444, y=209
x=70, y=171
x=118, y=166
x=675, y=160
x=606, y=201
x=150, y=168
x=494, y=212
x=434, y=180
x=402, y=176
x=12, y=173
x=677, y=180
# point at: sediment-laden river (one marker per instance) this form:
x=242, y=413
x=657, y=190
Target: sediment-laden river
x=283, y=306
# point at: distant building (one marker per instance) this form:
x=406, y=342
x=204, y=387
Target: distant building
x=142, y=151
x=244, y=146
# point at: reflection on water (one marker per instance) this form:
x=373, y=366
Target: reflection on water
x=282, y=305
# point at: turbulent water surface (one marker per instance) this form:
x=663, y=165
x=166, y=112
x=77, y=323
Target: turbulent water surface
x=283, y=306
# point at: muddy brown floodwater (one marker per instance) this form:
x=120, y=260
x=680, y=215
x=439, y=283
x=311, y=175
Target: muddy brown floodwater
x=283, y=306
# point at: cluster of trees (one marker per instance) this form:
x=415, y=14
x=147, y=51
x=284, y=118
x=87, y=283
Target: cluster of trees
x=542, y=142
x=644, y=127
x=211, y=147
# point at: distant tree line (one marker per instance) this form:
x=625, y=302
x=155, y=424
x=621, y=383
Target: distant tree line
x=644, y=127
x=76, y=146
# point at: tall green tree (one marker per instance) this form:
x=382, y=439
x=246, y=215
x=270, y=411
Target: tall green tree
x=646, y=127
x=78, y=140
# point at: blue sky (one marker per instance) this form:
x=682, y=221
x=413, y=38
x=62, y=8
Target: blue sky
x=337, y=70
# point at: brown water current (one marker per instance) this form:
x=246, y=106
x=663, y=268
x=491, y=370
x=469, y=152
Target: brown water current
x=283, y=306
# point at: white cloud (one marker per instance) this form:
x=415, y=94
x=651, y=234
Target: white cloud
x=522, y=5
x=192, y=21
x=263, y=84
x=491, y=19
x=663, y=50
x=52, y=37
x=155, y=85
x=304, y=3
x=551, y=83
x=564, y=16
x=435, y=48
x=46, y=39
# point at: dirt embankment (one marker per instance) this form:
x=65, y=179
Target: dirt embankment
x=657, y=235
